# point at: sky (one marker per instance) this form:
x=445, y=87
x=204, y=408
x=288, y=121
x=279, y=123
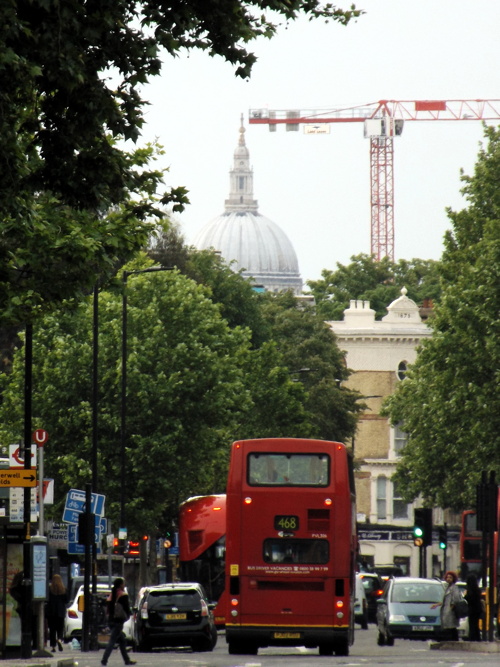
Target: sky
x=317, y=187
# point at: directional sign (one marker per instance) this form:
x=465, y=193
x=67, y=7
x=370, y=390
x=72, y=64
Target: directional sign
x=74, y=547
x=17, y=477
x=75, y=505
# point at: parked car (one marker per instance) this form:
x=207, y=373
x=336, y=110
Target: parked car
x=373, y=589
x=74, y=616
x=360, y=604
x=174, y=615
x=77, y=582
x=406, y=611
x=387, y=571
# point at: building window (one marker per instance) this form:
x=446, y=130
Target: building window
x=381, y=497
x=399, y=506
x=402, y=369
x=400, y=439
x=242, y=182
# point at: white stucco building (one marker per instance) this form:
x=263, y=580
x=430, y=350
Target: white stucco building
x=378, y=353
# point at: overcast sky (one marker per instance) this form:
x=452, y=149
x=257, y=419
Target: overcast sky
x=317, y=187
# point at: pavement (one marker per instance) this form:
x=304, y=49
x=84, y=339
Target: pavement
x=470, y=647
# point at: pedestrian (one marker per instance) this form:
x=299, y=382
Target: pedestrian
x=476, y=607
x=449, y=620
x=118, y=608
x=56, y=611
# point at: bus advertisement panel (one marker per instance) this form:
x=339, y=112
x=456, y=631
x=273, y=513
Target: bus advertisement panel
x=202, y=546
x=291, y=544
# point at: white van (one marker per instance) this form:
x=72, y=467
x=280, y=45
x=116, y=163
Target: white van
x=360, y=604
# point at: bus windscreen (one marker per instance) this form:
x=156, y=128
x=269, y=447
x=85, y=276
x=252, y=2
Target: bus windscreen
x=272, y=469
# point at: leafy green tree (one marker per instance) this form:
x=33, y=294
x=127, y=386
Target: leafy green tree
x=378, y=282
x=71, y=75
x=186, y=393
x=449, y=402
x=313, y=359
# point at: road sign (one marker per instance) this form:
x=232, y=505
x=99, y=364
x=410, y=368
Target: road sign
x=75, y=505
x=16, y=456
x=17, y=477
x=74, y=547
x=40, y=437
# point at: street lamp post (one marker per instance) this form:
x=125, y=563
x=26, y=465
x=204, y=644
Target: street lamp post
x=123, y=430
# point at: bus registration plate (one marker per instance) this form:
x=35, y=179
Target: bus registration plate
x=287, y=635
x=175, y=617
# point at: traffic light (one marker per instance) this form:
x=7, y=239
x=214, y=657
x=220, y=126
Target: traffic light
x=443, y=537
x=422, y=526
x=118, y=546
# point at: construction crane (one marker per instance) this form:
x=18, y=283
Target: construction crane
x=383, y=121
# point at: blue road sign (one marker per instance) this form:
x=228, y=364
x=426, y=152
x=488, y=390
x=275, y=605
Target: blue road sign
x=74, y=547
x=75, y=505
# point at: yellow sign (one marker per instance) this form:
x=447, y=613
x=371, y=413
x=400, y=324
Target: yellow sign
x=17, y=477
x=234, y=570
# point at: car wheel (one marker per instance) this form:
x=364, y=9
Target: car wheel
x=380, y=639
x=364, y=622
x=143, y=647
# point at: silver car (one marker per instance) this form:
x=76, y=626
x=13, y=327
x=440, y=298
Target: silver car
x=407, y=610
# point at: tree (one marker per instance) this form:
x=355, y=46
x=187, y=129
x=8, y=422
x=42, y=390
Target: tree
x=313, y=359
x=70, y=92
x=378, y=282
x=449, y=402
x=186, y=394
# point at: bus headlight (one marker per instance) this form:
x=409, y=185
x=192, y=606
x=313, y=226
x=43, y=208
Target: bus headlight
x=340, y=614
x=234, y=612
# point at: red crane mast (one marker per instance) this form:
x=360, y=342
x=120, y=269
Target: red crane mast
x=383, y=120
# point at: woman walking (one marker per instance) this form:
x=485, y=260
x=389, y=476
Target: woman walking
x=118, y=612
x=56, y=611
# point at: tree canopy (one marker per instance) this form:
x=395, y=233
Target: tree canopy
x=70, y=93
x=448, y=404
x=378, y=282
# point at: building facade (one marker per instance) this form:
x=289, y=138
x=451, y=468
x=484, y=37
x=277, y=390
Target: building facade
x=378, y=353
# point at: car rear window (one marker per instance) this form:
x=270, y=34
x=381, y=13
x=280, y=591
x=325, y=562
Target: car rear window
x=181, y=600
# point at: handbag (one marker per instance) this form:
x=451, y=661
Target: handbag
x=461, y=608
x=120, y=614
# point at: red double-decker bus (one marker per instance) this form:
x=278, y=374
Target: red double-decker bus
x=202, y=546
x=291, y=545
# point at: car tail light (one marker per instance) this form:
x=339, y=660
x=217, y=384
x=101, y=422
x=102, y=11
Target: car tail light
x=204, y=608
x=144, y=610
x=72, y=614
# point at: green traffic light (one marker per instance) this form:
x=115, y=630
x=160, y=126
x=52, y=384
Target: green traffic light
x=418, y=532
x=442, y=545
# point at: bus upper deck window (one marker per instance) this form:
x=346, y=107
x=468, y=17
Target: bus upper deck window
x=269, y=469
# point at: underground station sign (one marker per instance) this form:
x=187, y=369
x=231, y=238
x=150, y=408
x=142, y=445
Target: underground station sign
x=17, y=477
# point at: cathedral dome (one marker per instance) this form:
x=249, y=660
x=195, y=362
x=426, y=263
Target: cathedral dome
x=256, y=245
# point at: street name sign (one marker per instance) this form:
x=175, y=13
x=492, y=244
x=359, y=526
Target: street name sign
x=17, y=477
